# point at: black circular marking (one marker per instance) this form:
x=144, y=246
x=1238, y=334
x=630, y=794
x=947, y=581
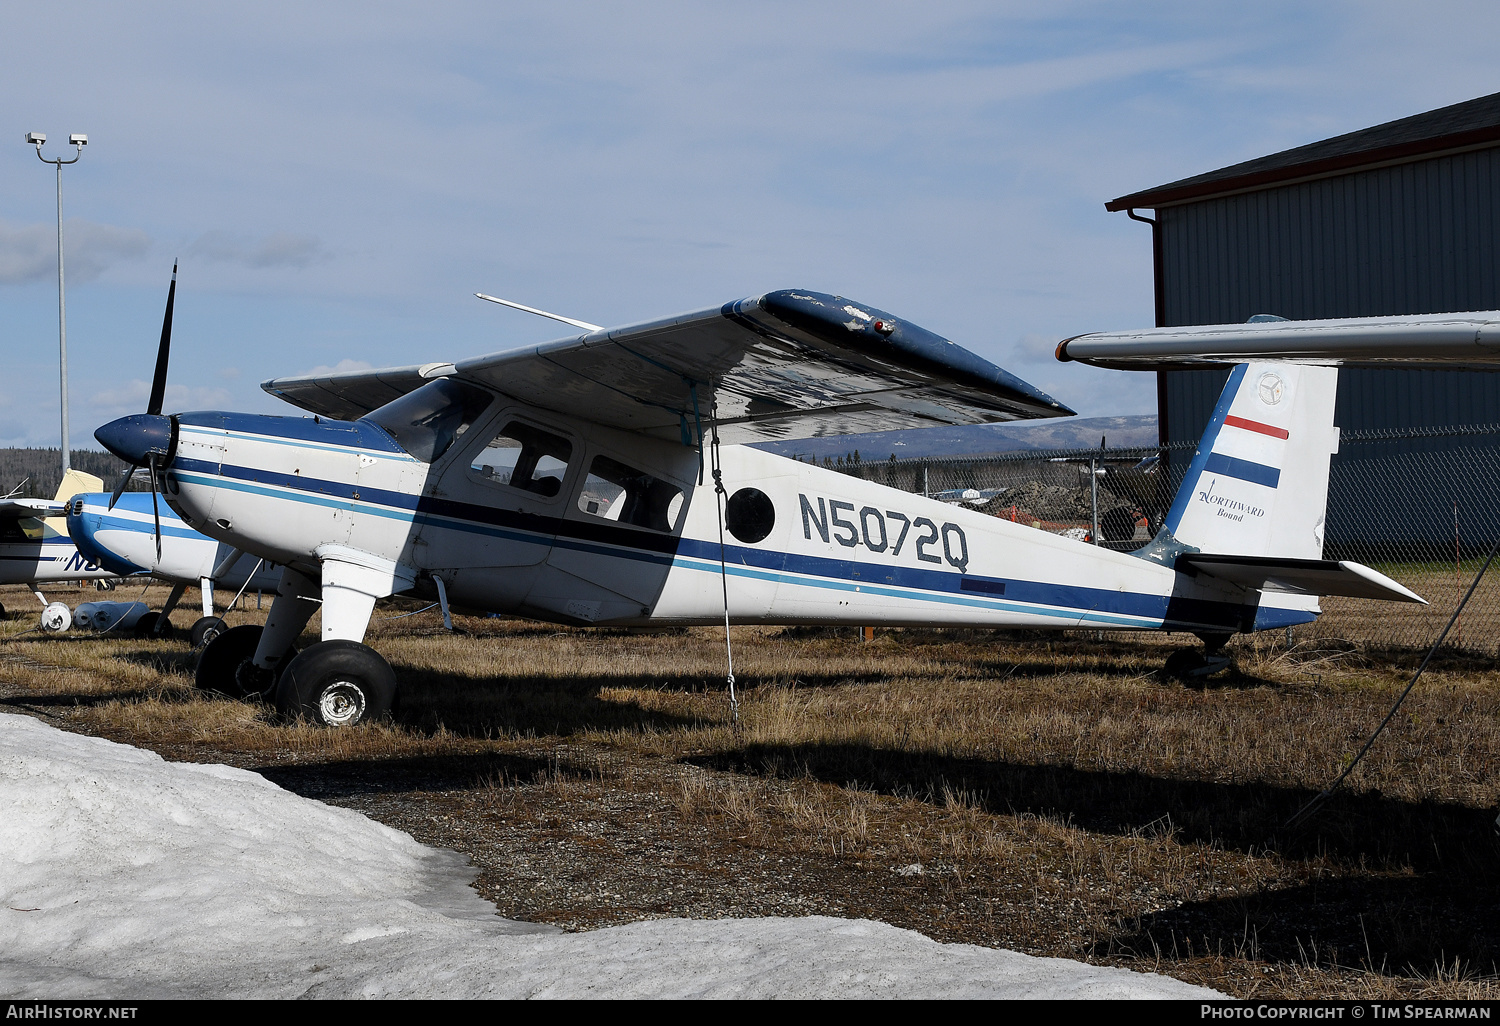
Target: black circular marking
x=749, y=514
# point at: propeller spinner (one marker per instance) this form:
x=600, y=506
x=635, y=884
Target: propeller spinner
x=147, y=439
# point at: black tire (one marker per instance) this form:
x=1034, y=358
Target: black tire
x=2, y=611
x=337, y=684
x=205, y=629
x=145, y=625
x=219, y=667
x=1181, y=664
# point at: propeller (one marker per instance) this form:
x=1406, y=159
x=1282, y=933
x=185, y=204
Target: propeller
x=147, y=440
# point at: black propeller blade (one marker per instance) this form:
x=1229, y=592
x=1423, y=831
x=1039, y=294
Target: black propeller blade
x=119, y=488
x=155, y=511
x=153, y=405
x=159, y=379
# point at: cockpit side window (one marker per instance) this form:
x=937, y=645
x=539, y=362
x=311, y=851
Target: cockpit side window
x=616, y=492
x=20, y=529
x=427, y=421
x=525, y=457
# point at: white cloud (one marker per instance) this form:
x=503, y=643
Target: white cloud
x=1035, y=348
x=278, y=249
x=132, y=397
x=28, y=252
x=343, y=366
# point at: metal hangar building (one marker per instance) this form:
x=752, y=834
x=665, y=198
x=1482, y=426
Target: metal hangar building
x=1401, y=218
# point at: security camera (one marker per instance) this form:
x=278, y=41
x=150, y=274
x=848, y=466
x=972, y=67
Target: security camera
x=78, y=140
x=35, y=138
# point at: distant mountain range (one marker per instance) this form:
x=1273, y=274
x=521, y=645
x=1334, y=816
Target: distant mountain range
x=976, y=439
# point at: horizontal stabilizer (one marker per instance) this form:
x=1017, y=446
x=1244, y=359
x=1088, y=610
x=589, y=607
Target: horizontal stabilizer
x=1299, y=576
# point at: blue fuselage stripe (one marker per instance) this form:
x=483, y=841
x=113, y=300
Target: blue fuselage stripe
x=1071, y=602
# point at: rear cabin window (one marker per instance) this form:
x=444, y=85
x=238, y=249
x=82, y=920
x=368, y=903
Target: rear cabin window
x=614, y=491
x=427, y=421
x=525, y=457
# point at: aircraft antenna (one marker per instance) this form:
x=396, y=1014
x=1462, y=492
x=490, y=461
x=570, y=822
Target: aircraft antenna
x=585, y=325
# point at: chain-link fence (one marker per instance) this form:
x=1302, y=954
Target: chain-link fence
x=1421, y=505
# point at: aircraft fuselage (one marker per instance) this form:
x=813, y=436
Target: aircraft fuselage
x=610, y=528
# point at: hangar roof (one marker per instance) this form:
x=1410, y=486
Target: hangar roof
x=1471, y=125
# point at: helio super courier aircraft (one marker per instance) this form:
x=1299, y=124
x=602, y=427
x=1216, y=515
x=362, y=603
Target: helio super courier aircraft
x=598, y=480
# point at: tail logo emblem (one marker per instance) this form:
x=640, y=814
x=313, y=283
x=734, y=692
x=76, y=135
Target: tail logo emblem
x=1270, y=388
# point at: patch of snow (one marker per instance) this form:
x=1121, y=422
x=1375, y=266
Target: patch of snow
x=126, y=876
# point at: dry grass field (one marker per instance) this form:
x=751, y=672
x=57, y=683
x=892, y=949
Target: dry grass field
x=1047, y=793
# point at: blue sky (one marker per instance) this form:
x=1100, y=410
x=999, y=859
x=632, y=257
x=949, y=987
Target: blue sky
x=338, y=179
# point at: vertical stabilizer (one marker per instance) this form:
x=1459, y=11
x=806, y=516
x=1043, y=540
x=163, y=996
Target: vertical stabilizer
x=1258, y=484
x=75, y=482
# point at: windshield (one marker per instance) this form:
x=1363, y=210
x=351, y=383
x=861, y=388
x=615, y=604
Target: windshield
x=427, y=421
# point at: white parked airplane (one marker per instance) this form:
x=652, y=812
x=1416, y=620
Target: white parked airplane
x=35, y=548
x=583, y=482
x=123, y=539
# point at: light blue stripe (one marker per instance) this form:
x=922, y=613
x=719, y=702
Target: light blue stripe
x=946, y=598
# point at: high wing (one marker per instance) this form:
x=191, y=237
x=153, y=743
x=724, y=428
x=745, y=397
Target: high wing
x=1445, y=341
x=787, y=364
x=15, y=509
x=349, y=395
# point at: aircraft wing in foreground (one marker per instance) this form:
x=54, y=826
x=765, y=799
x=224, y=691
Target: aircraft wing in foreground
x=1442, y=341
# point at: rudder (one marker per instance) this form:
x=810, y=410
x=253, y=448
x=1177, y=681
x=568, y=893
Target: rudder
x=1258, y=482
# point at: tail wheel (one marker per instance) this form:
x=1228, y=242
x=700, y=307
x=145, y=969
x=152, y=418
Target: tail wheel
x=221, y=666
x=337, y=684
x=1191, y=665
x=205, y=629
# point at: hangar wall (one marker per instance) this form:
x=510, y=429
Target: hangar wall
x=1414, y=237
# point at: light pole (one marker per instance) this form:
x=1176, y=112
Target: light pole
x=78, y=142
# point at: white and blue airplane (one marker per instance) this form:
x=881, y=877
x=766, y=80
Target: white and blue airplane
x=584, y=482
x=135, y=538
x=35, y=548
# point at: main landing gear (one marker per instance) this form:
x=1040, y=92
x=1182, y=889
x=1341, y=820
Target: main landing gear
x=337, y=682
x=1192, y=665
